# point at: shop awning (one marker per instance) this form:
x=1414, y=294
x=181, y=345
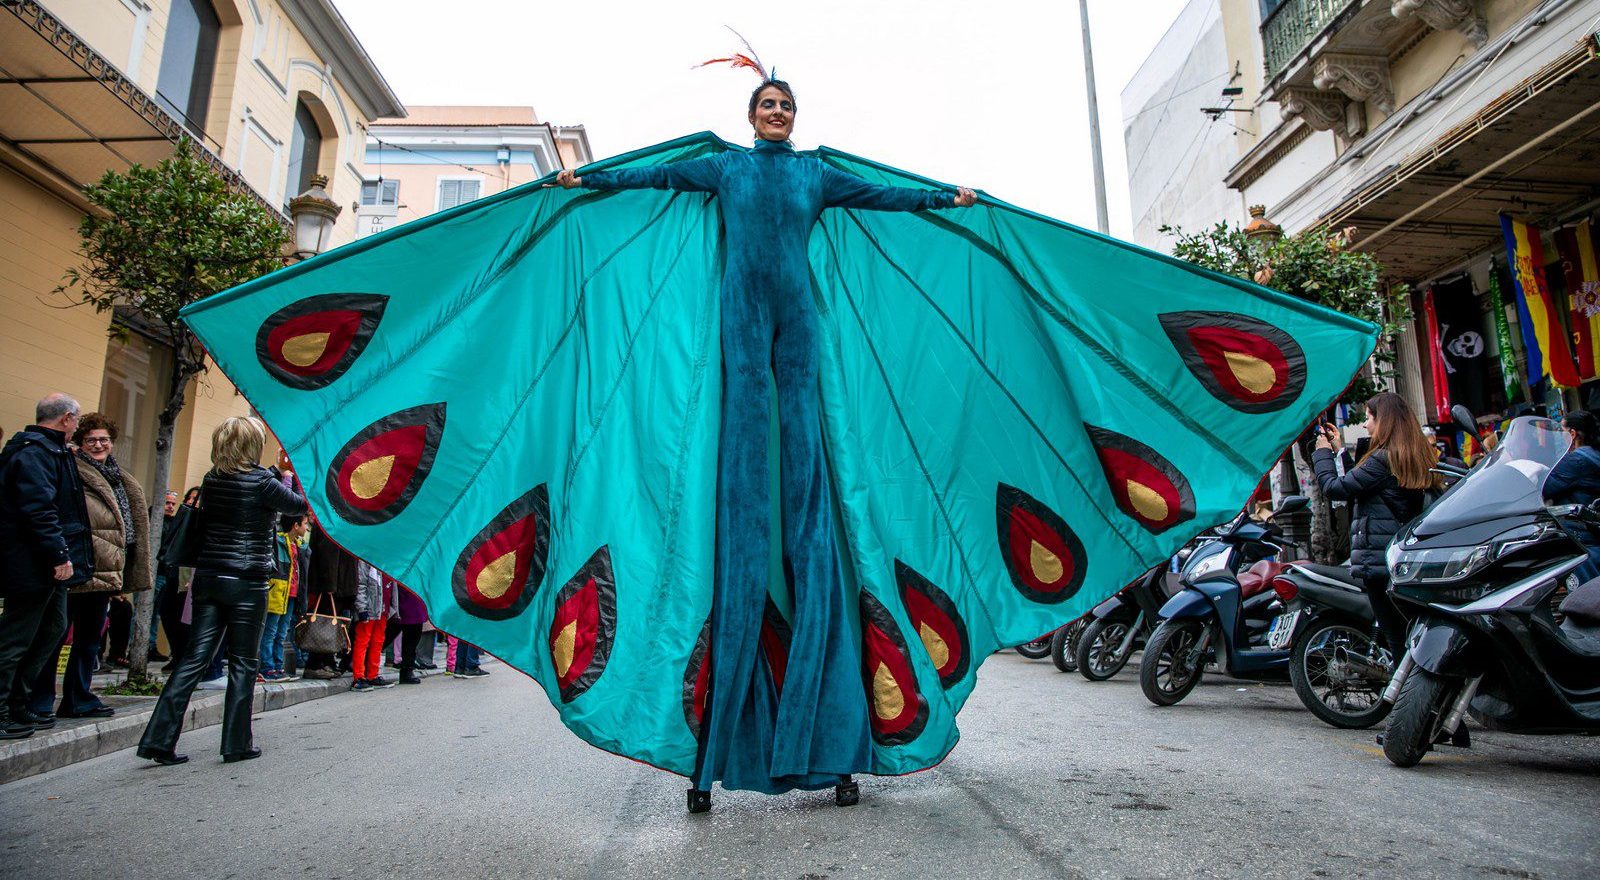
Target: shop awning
x=1534, y=152
x=67, y=112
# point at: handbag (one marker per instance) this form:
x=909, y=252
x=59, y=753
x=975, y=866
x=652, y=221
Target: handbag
x=318, y=633
x=188, y=538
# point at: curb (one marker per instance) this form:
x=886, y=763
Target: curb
x=60, y=746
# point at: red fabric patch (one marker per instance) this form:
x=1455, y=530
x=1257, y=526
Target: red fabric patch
x=923, y=612
x=520, y=537
x=406, y=443
x=878, y=648
x=584, y=608
x=1121, y=467
x=340, y=325
x=1213, y=344
x=775, y=646
x=1025, y=530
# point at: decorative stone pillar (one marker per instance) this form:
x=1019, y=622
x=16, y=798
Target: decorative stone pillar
x=1363, y=78
x=1322, y=110
x=1465, y=16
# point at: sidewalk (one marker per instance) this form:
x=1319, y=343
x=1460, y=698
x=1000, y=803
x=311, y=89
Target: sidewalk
x=79, y=739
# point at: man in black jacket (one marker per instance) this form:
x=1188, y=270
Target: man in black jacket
x=44, y=549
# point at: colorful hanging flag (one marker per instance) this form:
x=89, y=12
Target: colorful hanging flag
x=1441, y=375
x=1575, y=245
x=1502, y=332
x=1542, y=333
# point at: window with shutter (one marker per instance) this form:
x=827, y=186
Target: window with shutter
x=380, y=192
x=455, y=192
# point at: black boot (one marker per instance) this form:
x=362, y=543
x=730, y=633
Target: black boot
x=699, y=800
x=847, y=793
x=165, y=757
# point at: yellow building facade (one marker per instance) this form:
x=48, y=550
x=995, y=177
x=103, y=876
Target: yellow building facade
x=274, y=92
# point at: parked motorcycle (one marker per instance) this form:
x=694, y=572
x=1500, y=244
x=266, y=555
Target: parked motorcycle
x=1036, y=649
x=1484, y=572
x=1064, y=644
x=1122, y=624
x=1337, y=663
x=1224, y=612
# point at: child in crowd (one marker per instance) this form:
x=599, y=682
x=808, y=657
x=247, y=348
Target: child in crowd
x=291, y=529
x=375, y=602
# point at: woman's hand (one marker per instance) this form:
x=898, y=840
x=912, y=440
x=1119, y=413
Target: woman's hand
x=566, y=179
x=965, y=198
x=1325, y=439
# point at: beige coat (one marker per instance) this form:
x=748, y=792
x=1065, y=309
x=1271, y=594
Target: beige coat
x=116, y=567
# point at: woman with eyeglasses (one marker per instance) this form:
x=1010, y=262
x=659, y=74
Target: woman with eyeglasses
x=119, y=530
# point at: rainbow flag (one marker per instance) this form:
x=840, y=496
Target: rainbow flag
x=1575, y=246
x=1542, y=334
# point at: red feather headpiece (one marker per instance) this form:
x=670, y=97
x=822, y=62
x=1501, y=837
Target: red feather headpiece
x=740, y=59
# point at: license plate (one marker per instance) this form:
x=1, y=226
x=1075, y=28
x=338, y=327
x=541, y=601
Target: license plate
x=1282, y=631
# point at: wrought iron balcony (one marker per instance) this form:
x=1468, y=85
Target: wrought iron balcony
x=1290, y=25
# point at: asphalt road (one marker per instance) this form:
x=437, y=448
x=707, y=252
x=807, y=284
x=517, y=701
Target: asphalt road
x=1056, y=777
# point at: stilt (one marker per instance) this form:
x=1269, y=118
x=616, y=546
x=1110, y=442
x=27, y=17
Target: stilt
x=699, y=800
x=847, y=793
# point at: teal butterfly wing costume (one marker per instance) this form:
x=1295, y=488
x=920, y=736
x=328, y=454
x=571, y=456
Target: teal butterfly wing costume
x=550, y=413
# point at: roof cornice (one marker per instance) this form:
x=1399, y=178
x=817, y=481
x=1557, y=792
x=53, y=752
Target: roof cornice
x=331, y=38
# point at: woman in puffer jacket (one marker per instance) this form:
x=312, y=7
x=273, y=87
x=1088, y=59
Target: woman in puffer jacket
x=240, y=502
x=119, y=527
x=1387, y=490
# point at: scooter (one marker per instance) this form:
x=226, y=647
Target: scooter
x=1224, y=612
x=1337, y=663
x=1036, y=649
x=1064, y=644
x=1487, y=573
x=1121, y=624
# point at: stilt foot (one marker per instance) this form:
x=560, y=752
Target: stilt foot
x=699, y=800
x=847, y=794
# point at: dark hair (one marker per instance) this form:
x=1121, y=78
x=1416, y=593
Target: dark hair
x=289, y=521
x=1587, y=426
x=778, y=84
x=192, y=494
x=94, y=422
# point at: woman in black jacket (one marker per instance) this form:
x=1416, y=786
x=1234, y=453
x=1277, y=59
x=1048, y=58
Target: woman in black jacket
x=240, y=502
x=1386, y=490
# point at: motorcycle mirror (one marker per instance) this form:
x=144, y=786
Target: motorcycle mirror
x=1292, y=504
x=1464, y=418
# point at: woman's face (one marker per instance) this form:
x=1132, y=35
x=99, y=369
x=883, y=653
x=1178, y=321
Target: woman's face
x=773, y=118
x=97, y=444
x=191, y=498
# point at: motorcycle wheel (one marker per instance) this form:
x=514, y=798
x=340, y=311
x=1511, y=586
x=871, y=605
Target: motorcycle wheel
x=1321, y=678
x=1418, y=713
x=1165, y=675
x=1038, y=649
x=1099, y=656
x=1064, y=645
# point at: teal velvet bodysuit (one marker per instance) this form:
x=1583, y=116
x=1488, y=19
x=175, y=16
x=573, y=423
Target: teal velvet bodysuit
x=806, y=727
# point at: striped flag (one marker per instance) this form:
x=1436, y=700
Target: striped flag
x=1542, y=334
x=1575, y=246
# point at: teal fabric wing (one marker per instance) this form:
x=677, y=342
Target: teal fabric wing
x=512, y=408
x=1023, y=415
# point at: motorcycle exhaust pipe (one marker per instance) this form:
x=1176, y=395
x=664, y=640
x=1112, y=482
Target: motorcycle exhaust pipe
x=1401, y=673
x=1459, y=710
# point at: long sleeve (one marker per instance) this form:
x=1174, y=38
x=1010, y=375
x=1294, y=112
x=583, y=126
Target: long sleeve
x=690, y=175
x=1365, y=480
x=1575, y=479
x=277, y=495
x=33, y=495
x=842, y=190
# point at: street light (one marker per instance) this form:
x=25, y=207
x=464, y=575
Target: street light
x=313, y=214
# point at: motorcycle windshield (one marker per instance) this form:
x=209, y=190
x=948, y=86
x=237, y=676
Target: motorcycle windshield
x=1507, y=482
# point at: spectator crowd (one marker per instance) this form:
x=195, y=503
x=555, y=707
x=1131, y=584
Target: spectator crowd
x=240, y=576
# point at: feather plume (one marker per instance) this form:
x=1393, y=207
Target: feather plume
x=741, y=59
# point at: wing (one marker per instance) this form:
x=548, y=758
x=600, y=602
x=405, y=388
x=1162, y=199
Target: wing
x=511, y=407
x=1022, y=416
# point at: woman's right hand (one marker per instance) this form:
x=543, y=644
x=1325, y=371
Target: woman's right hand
x=567, y=180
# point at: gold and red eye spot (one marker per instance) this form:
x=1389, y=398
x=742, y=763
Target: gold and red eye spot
x=1248, y=364
x=697, y=681
x=501, y=569
x=1046, y=559
x=1145, y=485
x=584, y=626
x=898, y=713
x=937, y=623
x=308, y=344
x=775, y=637
x=381, y=469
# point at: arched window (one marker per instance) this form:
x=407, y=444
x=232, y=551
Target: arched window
x=305, y=148
x=188, y=59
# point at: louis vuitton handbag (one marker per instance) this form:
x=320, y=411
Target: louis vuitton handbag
x=318, y=633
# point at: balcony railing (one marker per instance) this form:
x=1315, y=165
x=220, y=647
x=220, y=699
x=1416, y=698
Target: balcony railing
x=1290, y=25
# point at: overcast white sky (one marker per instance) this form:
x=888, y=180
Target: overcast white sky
x=987, y=94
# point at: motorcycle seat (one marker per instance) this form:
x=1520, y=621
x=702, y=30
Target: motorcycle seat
x=1583, y=637
x=1337, y=573
x=1257, y=578
x=1583, y=605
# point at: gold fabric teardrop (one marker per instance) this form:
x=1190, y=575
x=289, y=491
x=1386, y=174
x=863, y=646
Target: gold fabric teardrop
x=565, y=644
x=305, y=349
x=1147, y=501
x=887, y=700
x=1046, y=566
x=495, y=578
x=938, y=651
x=1256, y=375
x=370, y=477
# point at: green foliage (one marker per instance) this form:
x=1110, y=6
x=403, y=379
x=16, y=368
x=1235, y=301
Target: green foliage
x=1315, y=265
x=141, y=687
x=166, y=236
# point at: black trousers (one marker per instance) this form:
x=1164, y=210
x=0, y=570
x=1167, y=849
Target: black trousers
x=30, y=635
x=1391, y=623
x=172, y=619
x=230, y=609
x=410, y=636
x=86, y=612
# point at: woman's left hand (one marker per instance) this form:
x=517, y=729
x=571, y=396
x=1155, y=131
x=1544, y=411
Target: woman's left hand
x=965, y=198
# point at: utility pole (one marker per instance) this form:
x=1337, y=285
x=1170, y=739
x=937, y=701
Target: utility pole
x=1101, y=215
